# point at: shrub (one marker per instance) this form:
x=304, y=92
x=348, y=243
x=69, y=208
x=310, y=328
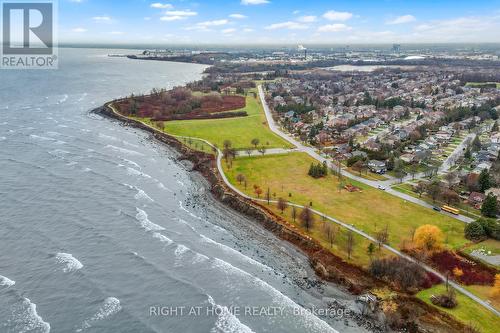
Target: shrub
x=428, y=237
x=473, y=273
x=491, y=227
x=475, y=232
x=447, y=300
x=403, y=273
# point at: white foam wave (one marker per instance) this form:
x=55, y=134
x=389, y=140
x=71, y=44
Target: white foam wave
x=181, y=183
x=25, y=318
x=132, y=163
x=227, y=322
x=232, y=251
x=108, y=137
x=5, y=281
x=134, y=172
x=2, y=138
x=110, y=306
x=162, y=238
x=198, y=258
x=140, y=193
x=180, y=250
x=310, y=321
x=125, y=151
x=142, y=217
x=64, y=99
x=71, y=263
x=163, y=187
x=41, y=138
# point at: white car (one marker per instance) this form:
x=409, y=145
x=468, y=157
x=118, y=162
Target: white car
x=380, y=187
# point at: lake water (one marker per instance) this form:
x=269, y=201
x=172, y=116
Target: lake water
x=100, y=226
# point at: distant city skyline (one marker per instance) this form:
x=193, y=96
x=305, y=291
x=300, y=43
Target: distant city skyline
x=278, y=21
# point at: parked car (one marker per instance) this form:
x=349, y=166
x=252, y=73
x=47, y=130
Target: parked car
x=436, y=208
x=380, y=187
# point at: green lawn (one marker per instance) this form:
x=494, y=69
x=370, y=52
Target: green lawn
x=369, y=211
x=240, y=131
x=468, y=311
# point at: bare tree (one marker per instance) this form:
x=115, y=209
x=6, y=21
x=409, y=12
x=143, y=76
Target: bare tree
x=240, y=178
x=307, y=218
x=268, y=196
x=262, y=150
x=349, y=243
x=382, y=236
x=294, y=213
x=330, y=233
x=248, y=151
x=282, y=205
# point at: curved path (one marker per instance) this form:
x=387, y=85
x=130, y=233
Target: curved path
x=312, y=152
x=332, y=219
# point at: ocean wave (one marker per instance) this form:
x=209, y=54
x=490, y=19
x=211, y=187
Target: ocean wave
x=227, y=322
x=162, y=238
x=64, y=99
x=163, y=187
x=125, y=151
x=110, y=306
x=132, y=163
x=71, y=263
x=41, y=138
x=5, y=281
x=26, y=319
x=180, y=250
x=232, y=251
x=310, y=321
x=199, y=258
x=142, y=217
x=134, y=172
x=140, y=193
x=2, y=138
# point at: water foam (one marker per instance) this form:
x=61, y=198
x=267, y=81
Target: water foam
x=134, y=172
x=110, y=306
x=312, y=323
x=142, y=217
x=125, y=151
x=162, y=238
x=72, y=264
x=26, y=319
x=5, y=281
x=227, y=322
x=230, y=250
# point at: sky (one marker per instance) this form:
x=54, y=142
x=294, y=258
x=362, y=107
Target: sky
x=278, y=21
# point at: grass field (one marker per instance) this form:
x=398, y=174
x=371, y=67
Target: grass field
x=468, y=311
x=370, y=210
x=240, y=131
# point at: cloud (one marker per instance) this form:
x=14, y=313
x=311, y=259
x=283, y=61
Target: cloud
x=116, y=32
x=254, y=2
x=402, y=19
x=213, y=23
x=176, y=15
x=307, y=19
x=337, y=27
x=287, y=25
x=248, y=30
x=238, y=16
x=161, y=5
x=79, y=30
x=102, y=18
x=180, y=13
x=228, y=31
x=333, y=15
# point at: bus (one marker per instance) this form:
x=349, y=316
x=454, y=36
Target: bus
x=451, y=210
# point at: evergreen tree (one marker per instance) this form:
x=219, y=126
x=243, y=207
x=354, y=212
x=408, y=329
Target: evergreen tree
x=490, y=206
x=484, y=180
x=495, y=127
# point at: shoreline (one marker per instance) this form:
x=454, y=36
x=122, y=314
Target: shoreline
x=326, y=265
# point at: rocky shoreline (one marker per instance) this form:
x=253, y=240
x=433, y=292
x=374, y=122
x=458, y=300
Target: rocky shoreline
x=327, y=266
